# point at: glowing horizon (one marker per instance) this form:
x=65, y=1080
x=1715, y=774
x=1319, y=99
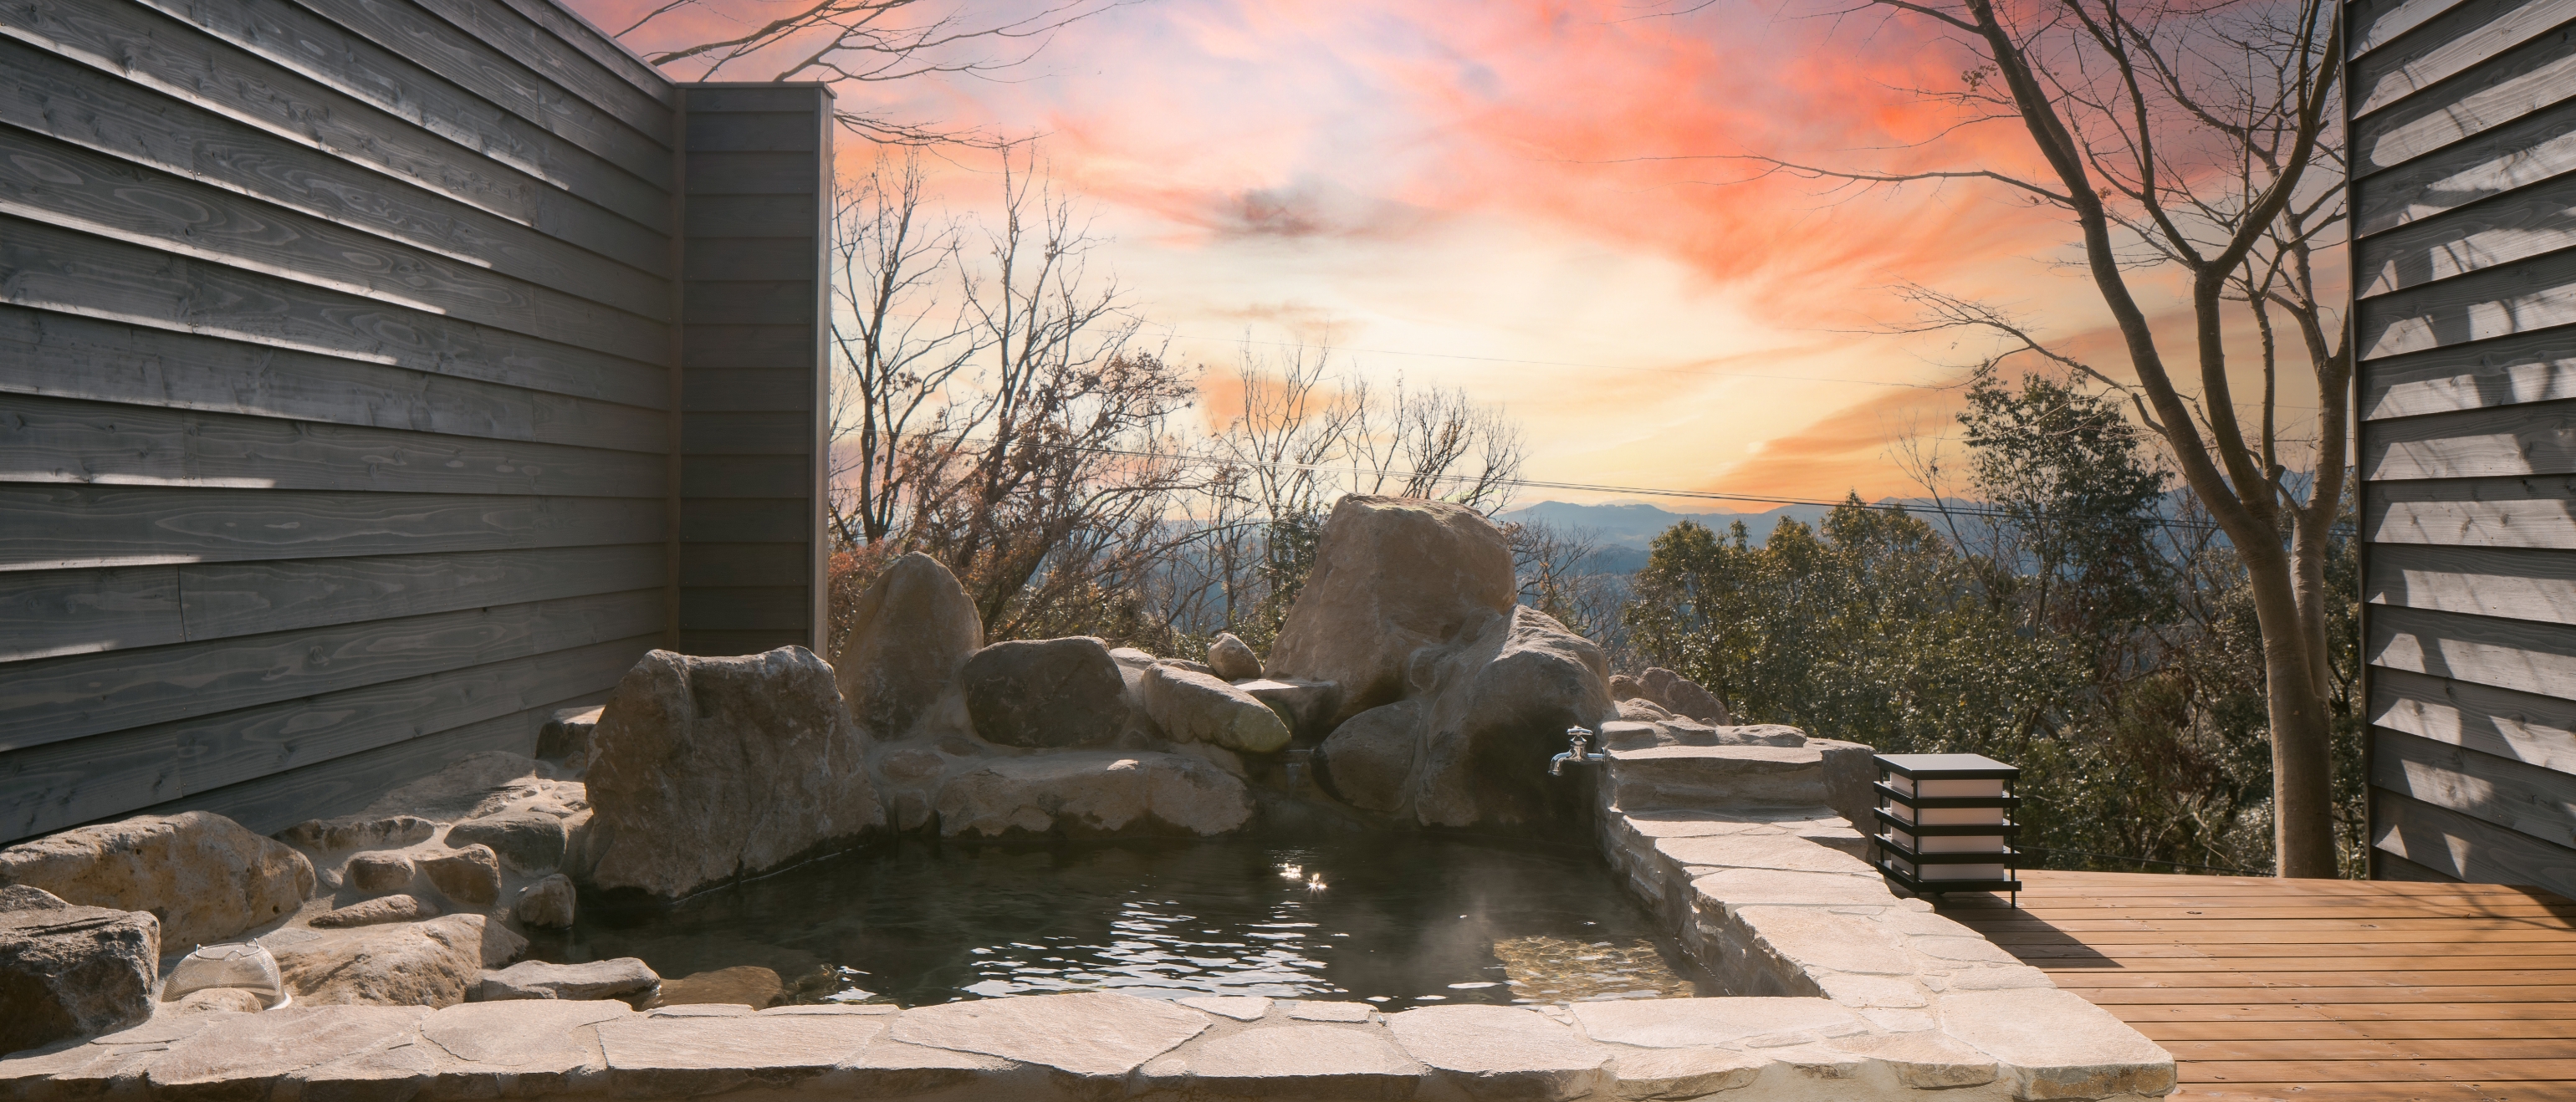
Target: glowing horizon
x=1470, y=195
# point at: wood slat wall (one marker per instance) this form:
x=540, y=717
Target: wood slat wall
x=753, y=399
x=2463, y=129
x=341, y=419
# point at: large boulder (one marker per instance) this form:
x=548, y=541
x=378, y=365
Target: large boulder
x=66, y=971
x=1094, y=792
x=526, y=841
x=1368, y=760
x=1392, y=575
x=471, y=875
x=1196, y=707
x=911, y=630
x=704, y=769
x=1046, y=693
x=1231, y=658
x=1501, y=702
x=1683, y=696
x=432, y=963
x=1305, y=706
x=205, y=877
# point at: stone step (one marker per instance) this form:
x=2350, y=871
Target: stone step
x=1715, y=778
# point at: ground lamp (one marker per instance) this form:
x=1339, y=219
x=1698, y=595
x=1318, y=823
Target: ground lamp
x=1945, y=823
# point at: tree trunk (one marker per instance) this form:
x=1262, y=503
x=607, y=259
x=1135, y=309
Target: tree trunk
x=2302, y=763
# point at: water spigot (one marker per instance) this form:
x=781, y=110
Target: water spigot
x=1577, y=742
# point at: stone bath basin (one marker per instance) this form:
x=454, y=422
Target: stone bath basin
x=1845, y=992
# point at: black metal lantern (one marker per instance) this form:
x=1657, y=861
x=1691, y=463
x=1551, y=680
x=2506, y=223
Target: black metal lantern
x=1946, y=823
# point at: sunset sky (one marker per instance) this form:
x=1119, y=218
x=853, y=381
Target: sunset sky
x=1484, y=194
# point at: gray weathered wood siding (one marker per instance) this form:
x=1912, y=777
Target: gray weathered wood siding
x=2463, y=143
x=339, y=391
x=753, y=398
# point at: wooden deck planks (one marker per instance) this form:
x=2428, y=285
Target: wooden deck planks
x=2317, y=989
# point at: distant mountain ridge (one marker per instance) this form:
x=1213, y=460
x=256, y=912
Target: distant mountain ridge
x=1635, y=524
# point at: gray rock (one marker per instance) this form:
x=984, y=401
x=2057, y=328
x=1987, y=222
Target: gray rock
x=19, y=897
x=391, y=908
x=1046, y=693
x=68, y=971
x=1297, y=1061
x=1500, y=704
x=1684, y=1072
x=460, y=789
x=526, y=841
x=471, y=875
x=359, y=832
x=527, y=1037
x=1368, y=760
x=1305, y=706
x=566, y=737
x=1195, y=707
x=228, y=1055
x=1850, y=769
x=1638, y=709
x=1927, y=1060
x=1241, y=1008
x=2056, y=1045
x=430, y=963
x=910, y=632
x=651, y=1057
x=378, y=873
x=548, y=903
x=704, y=769
x=1624, y=688
x=1088, y=1034
x=1392, y=575
x=1685, y=1023
x=1094, y=792
x=1186, y=664
x=741, y=985
x=205, y=877
x=1715, y=777
x=1313, y=1010
x=1756, y=734
x=1232, y=659
x=599, y=979
x=1683, y=696
x=216, y=1000
x=1501, y=1051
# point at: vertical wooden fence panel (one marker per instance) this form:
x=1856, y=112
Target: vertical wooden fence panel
x=2464, y=200
x=340, y=386
x=754, y=393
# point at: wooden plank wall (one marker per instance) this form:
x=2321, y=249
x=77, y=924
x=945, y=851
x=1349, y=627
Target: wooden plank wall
x=2463, y=142
x=753, y=403
x=337, y=393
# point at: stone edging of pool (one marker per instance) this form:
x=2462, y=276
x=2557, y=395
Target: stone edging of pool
x=1853, y=993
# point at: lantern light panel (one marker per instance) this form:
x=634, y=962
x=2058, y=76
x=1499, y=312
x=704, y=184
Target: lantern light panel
x=1946, y=823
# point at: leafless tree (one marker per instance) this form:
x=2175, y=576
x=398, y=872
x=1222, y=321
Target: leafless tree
x=1050, y=477
x=2179, y=136
x=899, y=339
x=855, y=41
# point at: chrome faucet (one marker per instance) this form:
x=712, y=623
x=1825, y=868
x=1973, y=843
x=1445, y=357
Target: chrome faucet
x=1577, y=739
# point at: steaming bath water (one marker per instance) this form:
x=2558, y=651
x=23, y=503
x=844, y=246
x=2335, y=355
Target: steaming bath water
x=1402, y=921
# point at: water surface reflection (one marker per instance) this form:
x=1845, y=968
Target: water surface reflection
x=1400, y=920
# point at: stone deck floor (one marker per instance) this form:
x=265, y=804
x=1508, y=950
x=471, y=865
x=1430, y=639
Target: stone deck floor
x=2319, y=990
